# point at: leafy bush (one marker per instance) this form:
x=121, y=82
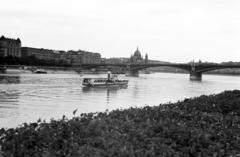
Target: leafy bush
x=202, y=126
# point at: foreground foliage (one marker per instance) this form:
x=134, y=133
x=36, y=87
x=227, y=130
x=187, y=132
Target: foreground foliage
x=203, y=126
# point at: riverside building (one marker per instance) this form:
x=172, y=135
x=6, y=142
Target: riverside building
x=71, y=57
x=83, y=57
x=40, y=53
x=10, y=47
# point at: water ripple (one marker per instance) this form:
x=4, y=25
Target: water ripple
x=53, y=95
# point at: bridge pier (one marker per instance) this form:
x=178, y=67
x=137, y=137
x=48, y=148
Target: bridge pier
x=195, y=76
x=134, y=73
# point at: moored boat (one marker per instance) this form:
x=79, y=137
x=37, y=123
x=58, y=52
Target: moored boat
x=104, y=82
x=40, y=71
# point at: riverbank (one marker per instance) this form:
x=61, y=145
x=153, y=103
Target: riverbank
x=202, y=126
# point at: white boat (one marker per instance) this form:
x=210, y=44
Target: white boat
x=104, y=82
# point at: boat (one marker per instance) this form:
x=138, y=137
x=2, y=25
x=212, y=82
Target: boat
x=104, y=82
x=40, y=71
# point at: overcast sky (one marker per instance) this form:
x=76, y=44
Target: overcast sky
x=168, y=30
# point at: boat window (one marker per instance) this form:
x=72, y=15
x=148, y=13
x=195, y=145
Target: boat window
x=99, y=80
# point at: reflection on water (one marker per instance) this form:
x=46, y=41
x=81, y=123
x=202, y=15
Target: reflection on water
x=28, y=97
x=9, y=78
x=9, y=105
x=108, y=90
x=9, y=96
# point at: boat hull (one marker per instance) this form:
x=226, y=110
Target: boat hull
x=106, y=84
x=40, y=72
x=94, y=82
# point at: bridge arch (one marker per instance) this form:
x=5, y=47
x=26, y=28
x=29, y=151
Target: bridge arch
x=90, y=66
x=195, y=70
x=215, y=68
x=141, y=67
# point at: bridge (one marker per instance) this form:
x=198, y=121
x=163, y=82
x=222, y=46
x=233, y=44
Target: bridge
x=195, y=70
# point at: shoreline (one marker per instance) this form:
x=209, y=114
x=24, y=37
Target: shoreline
x=204, y=125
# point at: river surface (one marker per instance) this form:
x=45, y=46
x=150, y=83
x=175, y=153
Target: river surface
x=28, y=97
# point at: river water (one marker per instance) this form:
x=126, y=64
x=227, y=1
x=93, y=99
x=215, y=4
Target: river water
x=28, y=97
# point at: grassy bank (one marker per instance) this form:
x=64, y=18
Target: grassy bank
x=203, y=126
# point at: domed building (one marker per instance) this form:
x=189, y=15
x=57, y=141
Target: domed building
x=137, y=57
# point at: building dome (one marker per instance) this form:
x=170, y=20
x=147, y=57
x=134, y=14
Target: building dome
x=137, y=54
x=2, y=37
x=136, y=57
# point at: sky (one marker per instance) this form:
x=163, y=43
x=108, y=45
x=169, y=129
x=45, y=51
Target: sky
x=167, y=30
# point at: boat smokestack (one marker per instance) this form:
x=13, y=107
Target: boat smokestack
x=109, y=73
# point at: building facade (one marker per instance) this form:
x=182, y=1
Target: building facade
x=82, y=57
x=115, y=60
x=10, y=47
x=70, y=57
x=90, y=57
x=40, y=53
